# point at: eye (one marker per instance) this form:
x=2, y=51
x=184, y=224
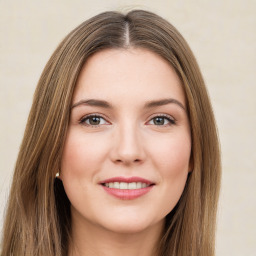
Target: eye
x=162, y=121
x=93, y=120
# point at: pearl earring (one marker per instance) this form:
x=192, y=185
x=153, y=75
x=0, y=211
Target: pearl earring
x=57, y=175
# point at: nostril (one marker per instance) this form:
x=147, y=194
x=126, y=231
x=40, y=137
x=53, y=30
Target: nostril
x=125, y=161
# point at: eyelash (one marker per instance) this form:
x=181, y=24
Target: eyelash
x=171, y=120
x=85, y=118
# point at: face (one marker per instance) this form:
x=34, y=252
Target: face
x=127, y=152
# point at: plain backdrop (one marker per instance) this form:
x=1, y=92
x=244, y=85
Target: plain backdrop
x=222, y=35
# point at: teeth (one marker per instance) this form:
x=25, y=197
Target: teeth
x=125, y=185
x=132, y=185
x=116, y=185
x=139, y=185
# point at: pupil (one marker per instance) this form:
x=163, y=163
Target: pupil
x=94, y=120
x=159, y=121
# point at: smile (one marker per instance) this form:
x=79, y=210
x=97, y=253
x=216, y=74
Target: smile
x=126, y=185
x=127, y=188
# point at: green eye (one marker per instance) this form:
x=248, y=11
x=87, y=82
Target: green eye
x=93, y=120
x=161, y=121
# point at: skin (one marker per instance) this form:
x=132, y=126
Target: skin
x=128, y=141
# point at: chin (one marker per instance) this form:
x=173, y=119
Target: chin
x=132, y=226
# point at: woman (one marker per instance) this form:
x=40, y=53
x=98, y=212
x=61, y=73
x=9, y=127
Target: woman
x=120, y=152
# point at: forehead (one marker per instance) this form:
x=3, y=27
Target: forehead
x=126, y=75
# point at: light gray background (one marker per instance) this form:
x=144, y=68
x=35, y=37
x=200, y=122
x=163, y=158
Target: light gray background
x=222, y=35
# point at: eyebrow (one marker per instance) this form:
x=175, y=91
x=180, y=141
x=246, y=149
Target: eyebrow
x=162, y=102
x=149, y=104
x=93, y=102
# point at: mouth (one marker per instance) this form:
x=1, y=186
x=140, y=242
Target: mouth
x=127, y=188
x=126, y=185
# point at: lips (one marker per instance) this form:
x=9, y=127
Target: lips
x=127, y=188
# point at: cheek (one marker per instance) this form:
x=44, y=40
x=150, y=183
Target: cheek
x=172, y=154
x=81, y=159
x=81, y=154
x=172, y=160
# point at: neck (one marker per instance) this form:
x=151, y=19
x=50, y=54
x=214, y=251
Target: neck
x=94, y=241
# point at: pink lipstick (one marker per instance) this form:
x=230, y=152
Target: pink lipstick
x=127, y=188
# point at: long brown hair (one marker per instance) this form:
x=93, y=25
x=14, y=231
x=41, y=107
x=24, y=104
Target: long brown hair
x=38, y=216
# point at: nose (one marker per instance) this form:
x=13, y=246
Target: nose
x=128, y=147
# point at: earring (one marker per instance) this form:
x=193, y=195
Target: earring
x=57, y=175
